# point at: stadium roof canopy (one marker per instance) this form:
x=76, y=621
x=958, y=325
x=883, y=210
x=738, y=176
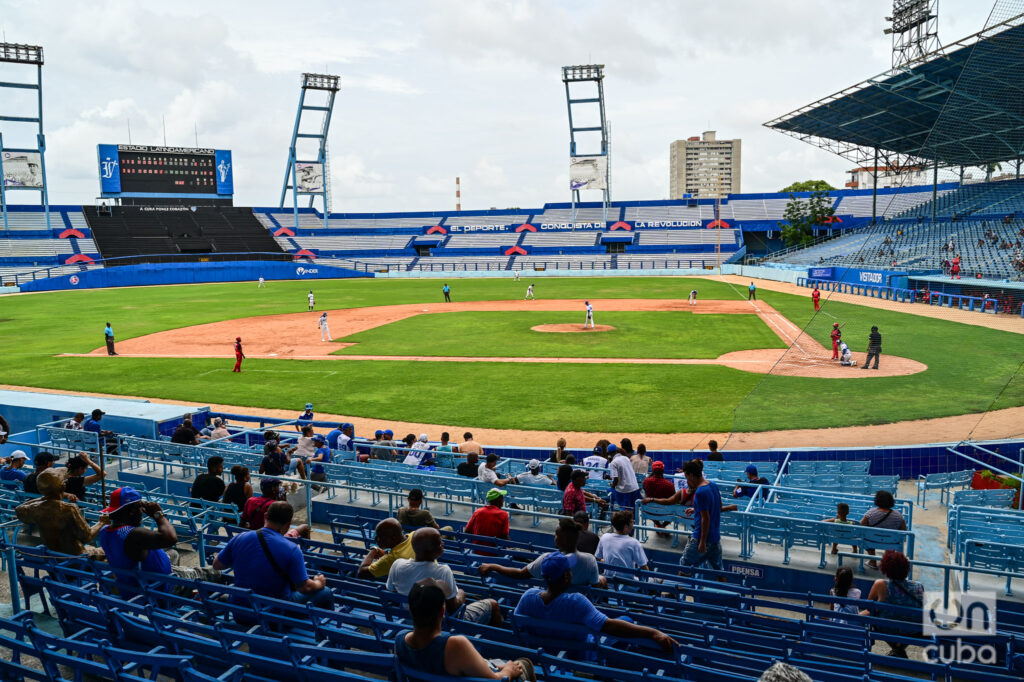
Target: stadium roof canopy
x=962, y=105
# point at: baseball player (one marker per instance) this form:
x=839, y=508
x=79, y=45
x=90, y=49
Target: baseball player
x=239, y=355
x=845, y=358
x=261, y=284
x=312, y=300
x=515, y=275
x=836, y=336
x=816, y=297
x=324, y=329
x=590, y=316
x=693, y=297
x=529, y=292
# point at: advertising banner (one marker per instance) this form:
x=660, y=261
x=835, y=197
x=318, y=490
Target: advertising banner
x=309, y=177
x=109, y=167
x=588, y=172
x=821, y=273
x=22, y=169
x=225, y=174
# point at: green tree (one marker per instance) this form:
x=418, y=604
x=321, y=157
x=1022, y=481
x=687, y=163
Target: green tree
x=809, y=186
x=802, y=217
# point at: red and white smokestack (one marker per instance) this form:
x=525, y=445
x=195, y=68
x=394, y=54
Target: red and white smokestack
x=458, y=194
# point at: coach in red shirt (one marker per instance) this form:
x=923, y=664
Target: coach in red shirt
x=490, y=520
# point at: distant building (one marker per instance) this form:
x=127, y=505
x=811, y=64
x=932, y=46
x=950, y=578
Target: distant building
x=889, y=176
x=704, y=167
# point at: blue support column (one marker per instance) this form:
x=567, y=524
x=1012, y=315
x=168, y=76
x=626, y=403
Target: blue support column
x=27, y=55
x=297, y=157
x=586, y=146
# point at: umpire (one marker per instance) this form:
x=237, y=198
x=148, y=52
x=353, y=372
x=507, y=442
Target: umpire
x=874, y=348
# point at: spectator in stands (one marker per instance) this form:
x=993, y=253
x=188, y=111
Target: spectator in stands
x=559, y=454
x=333, y=435
x=656, y=486
x=624, y=486
x=304, y=446
x=588, y=539
x=185, y=434
x=268, y=563
x=576, y=498
x=883, y=515
x=93, y=424
x=470, y=468
x=220, y=430
x=391, y=544
x=705, y=545
x=239, y=490
x=427, y=548
x=276, y=461
x=377, y=449
x=842, y=510
x=565, y=472
x=446, y=447
x=321, y=455
x=427, y=648
x=714, y=455
x=895, y=590
x=41, y=462
x=597, y=460
x=13, y=475
x=210, y=486
x=76, y=483
x=75, y=423
x=412, y=515
x=130, y=546
x=753, y=479
x=490, y=520
x=469, y=445
x=621, y=549
x=783, y=672
x=557, y=604
x=533, y=476
x=641, y=461
x=254, y=513
x=419, y=449
x=61, y=524
x=842, y=586
x=582, y=565
x=486, y=472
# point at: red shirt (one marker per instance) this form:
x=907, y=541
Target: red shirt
x=490, y=521
x=658, y=488
x=255, y=511
x=573, y=499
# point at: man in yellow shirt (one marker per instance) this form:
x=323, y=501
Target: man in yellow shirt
x=391, y=544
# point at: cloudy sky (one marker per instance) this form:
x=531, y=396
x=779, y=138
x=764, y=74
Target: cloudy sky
x=435, y=89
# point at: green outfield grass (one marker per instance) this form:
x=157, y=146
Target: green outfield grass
x=504, y=334
x=970, y=369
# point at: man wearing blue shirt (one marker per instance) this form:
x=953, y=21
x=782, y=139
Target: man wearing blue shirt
x=12, y=475
x=268, y=563
x=705, y=545
x=753, y=479
x=557, y=605
x=93, y=424
x=321, y=455
x=108, y=336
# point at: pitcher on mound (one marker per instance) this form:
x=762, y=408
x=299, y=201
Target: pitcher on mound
x=590, y=316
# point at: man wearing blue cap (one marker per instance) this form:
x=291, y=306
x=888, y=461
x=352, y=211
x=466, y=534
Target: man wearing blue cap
x=305, y=418
x=753, y=479
x=341, y=437
x=557, y=604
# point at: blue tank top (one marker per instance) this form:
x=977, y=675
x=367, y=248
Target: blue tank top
x=429, y=659
x=112, y=541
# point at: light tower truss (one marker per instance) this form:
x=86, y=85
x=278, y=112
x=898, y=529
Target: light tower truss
x=22, y=167
x=588, y=133
x=307, y=174
x=914, y=30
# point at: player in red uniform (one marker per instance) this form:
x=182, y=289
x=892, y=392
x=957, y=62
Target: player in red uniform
x=816, y=296
x=239, y=355
x=836, y=336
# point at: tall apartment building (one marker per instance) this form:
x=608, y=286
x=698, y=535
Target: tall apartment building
x=703, y=166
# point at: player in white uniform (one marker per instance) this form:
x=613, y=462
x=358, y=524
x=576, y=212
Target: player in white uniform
x=529, y=292
x=515, y=275
x=590, y=316
x=845, y=358
x=693, y=297
x=261, y=284
x=311, y=300
x=324, y=329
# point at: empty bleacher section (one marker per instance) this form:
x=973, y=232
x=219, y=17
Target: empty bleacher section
x=30, y=250
x=137, y=234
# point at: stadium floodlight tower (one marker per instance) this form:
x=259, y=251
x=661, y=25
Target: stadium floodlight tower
x=23, y=167
x=588, y=162
x=914, y=30
x=304, y=175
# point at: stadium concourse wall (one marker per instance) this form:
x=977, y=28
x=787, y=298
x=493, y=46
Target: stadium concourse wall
x=148, y=274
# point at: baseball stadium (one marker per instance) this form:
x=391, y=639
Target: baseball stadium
x=716, y=436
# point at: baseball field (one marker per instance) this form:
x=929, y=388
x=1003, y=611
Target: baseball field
x=400, y=353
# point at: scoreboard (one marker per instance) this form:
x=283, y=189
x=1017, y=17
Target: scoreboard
x=164, y=172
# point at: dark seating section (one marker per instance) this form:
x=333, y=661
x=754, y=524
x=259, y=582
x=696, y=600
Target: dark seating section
x=207, y=232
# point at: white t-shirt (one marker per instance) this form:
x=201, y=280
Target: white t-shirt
x=343, y=442
x=304, y=447
x=596, y=461
x=622, y=469
x=854, y=593
x=485, y=474
x=405, y=573
x=415, y=458
x=620, y=550
x=534, y=479
x=585, y=572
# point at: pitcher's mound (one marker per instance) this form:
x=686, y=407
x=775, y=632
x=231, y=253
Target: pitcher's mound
x=562, y=328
